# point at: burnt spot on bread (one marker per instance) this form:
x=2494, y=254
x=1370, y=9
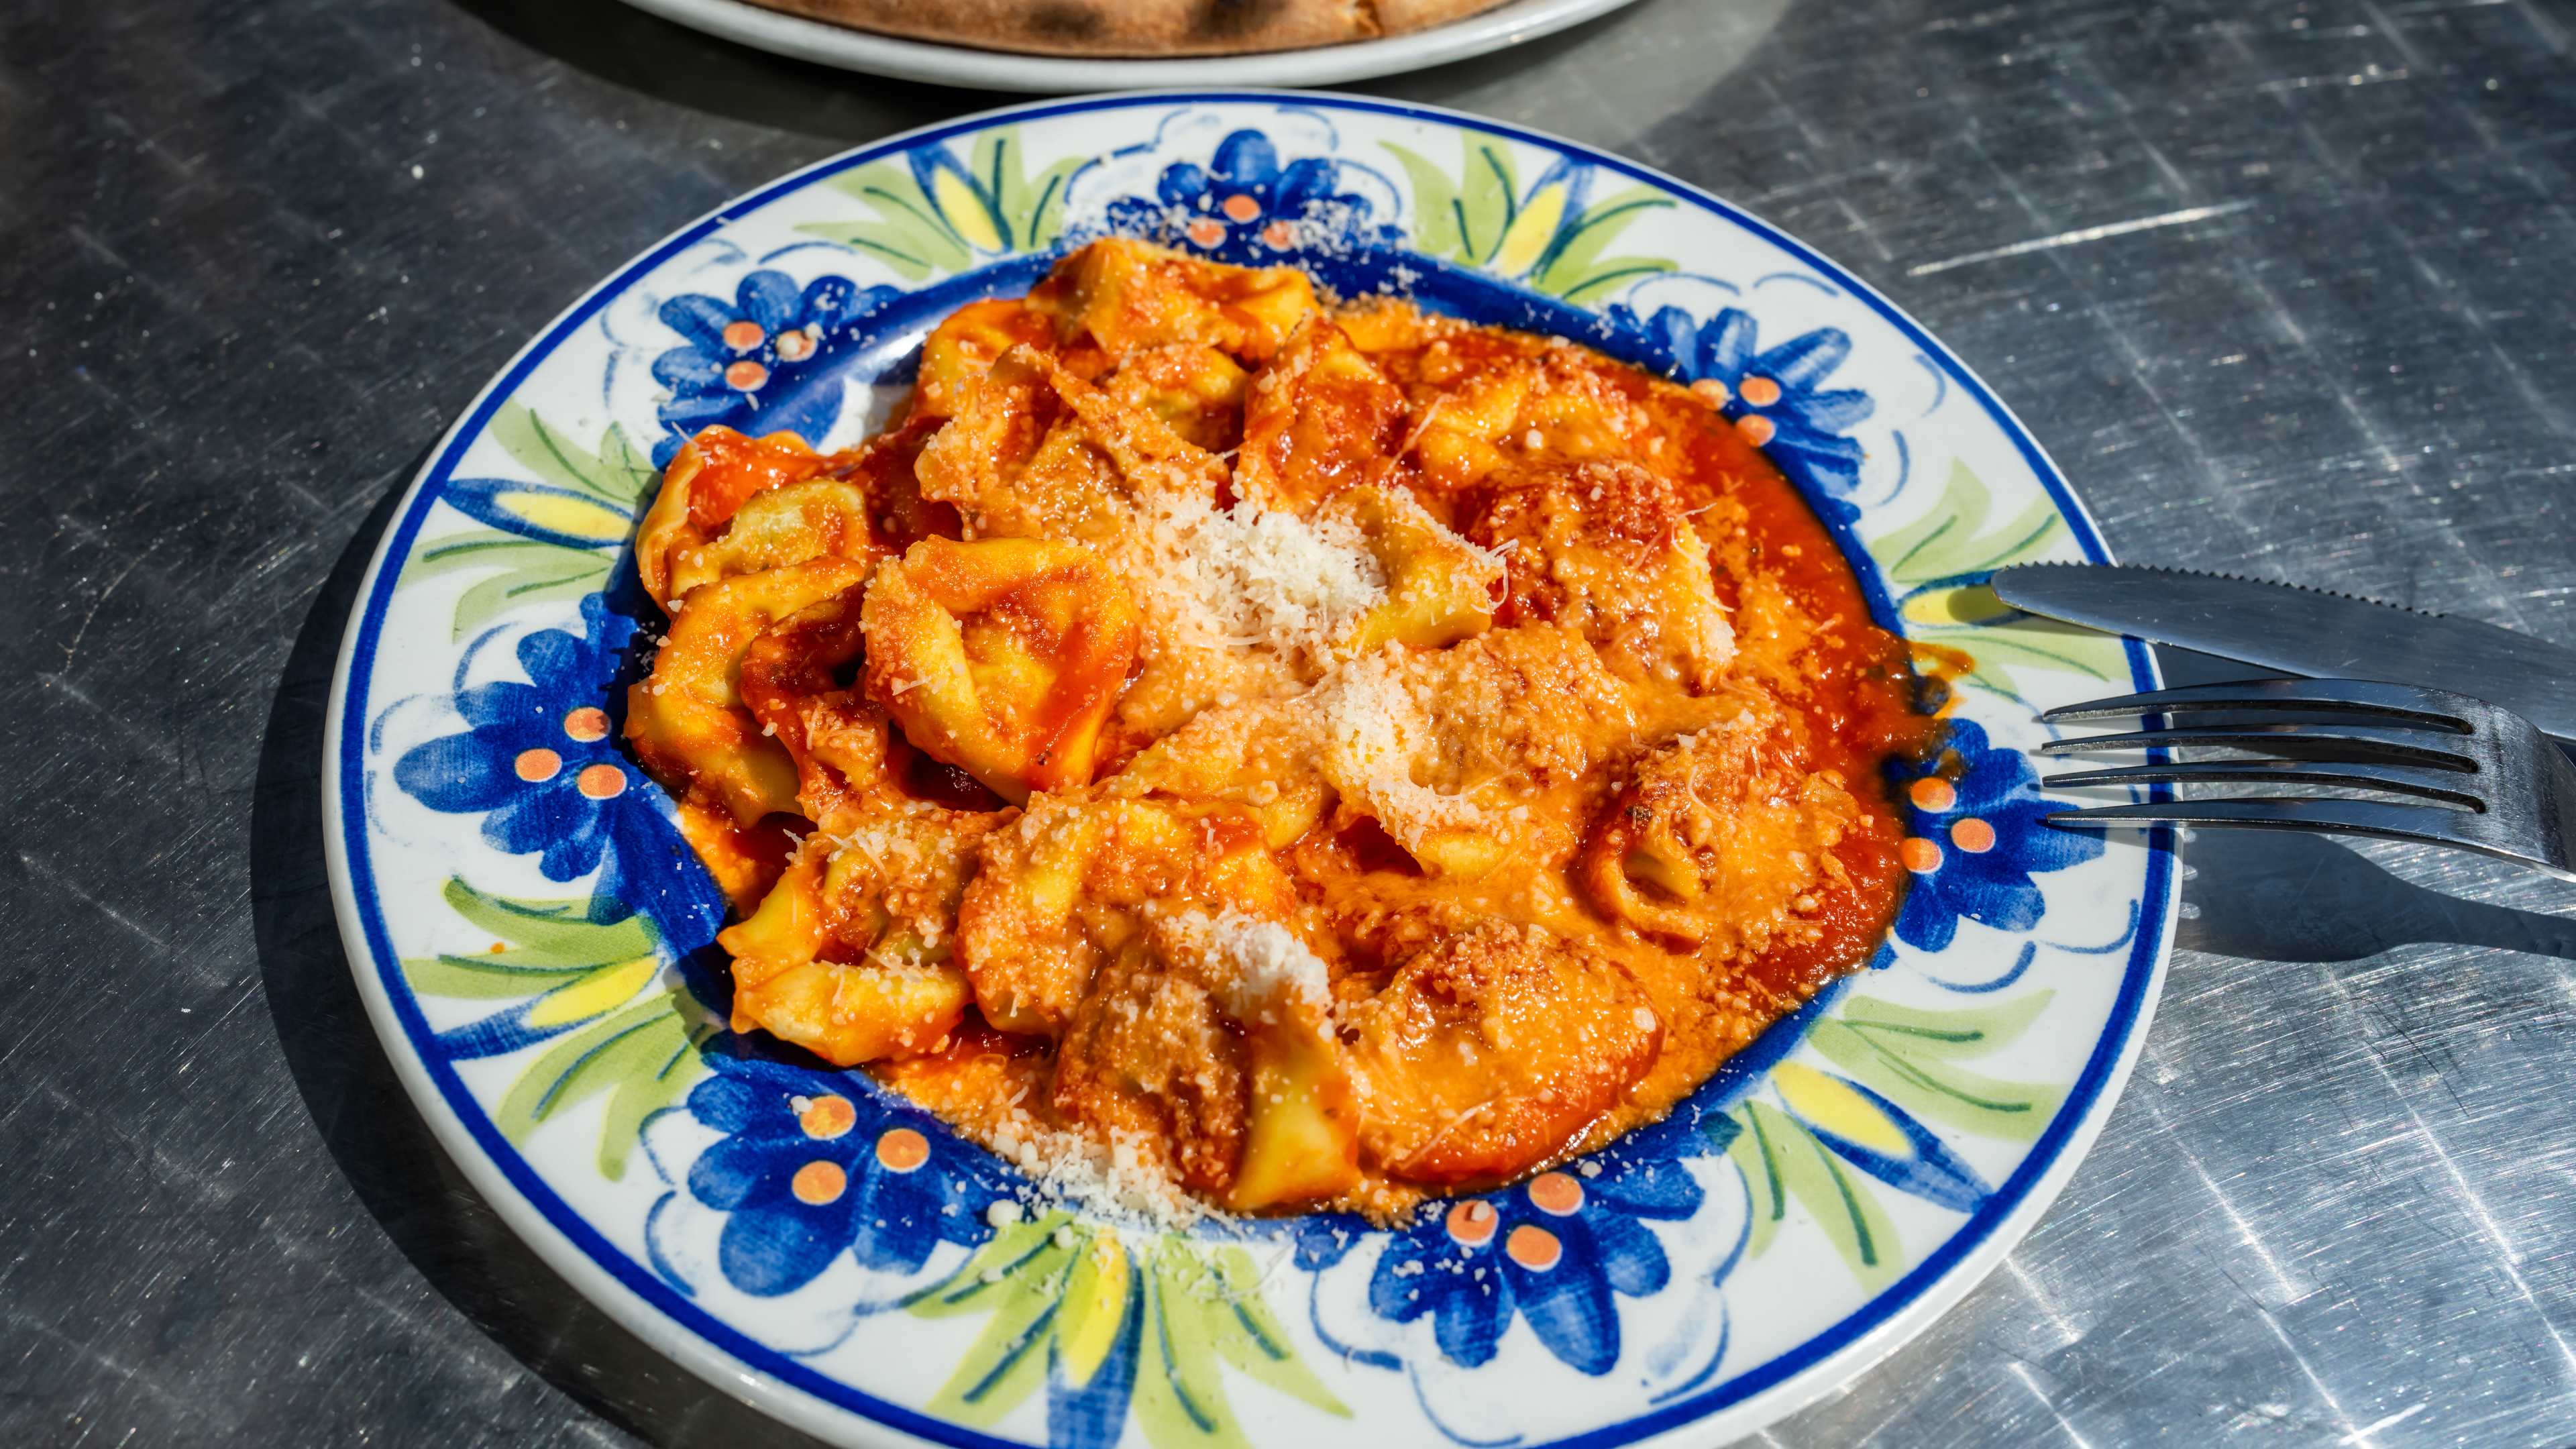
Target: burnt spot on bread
x=1227, y=19
x=1063, y=21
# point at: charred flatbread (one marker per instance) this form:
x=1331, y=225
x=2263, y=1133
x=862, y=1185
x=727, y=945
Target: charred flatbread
x=1136, y=27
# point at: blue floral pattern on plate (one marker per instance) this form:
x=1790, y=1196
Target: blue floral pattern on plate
x=1551, y=1251
x=539, y=762
x=1776, y=396
x=1980, y=834
x=740, y=363
x=801, y=1178
x=1246, y=208
x=808, y=1173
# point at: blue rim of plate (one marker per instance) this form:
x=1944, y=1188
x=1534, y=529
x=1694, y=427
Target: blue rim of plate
x=344, y=764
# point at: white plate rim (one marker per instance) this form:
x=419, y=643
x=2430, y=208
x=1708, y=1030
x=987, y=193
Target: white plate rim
x=1760, y=1396
x=1513, y=23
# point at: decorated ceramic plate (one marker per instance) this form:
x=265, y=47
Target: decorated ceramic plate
x=1514, y=23
x=535, y=940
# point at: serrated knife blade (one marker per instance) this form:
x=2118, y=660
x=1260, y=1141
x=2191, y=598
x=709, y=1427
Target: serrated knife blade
x=2306, y=631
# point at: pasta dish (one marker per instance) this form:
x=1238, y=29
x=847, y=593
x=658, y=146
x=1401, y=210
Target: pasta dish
x=1222, y=749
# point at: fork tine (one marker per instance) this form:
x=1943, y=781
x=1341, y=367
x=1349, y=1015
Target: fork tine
x=2334, y=696
x=2341, y=817
x=2395, y=779
x=2417, y=746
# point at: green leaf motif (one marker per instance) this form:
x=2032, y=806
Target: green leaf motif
x=616, y=474
x=1435, y=205
x=1957, y=538
x=908, y=235
x=1029, y=212
x=1488, y=197
x=1203, y=1310
x=1783, y=1163
x=1469, y=219
x=1955, y=1035
x=919, y=234
x=566, y=969
x=1909, y=1055
x=525, y=571
x=1943, y=558
x=1019, y=1277
x=1574, y=267
x=1058, y=1290
x=1751, y=1153
x=543, y=947
x=644, y=1057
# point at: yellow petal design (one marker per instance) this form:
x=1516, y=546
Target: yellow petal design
x=1831, y=1106
x=593, y=994
x=1955, y=606
x=576, y=517
x=1531, y=230
x=965, y=211
x=1095, y=1304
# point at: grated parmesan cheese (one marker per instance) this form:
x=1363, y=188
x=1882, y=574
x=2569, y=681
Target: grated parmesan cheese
x=1122, y=1178
x=1263, y=963
x=1248, y=576
x=1373, y=730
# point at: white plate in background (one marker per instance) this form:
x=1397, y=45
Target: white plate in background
x=1002, y=70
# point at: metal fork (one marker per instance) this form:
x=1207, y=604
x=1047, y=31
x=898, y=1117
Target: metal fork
x=2498, y=785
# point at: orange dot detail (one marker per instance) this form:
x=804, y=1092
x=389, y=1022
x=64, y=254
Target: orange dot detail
x=1711, y=391
x=1757, y=429
x=1279, y=234
x=744, y=335
x=902, y=1149
x=795, y=346
x=1921, y=856
x=1534, y=1248
x=825, y=1118
x=745, y=375
x=601, y=782
x=587, y=724
x=817, y=1183
x=1207, y=231
x=1762, y=392
x=1972, y=835
x=1472, y=1223
x=1555, y=1193
x=1932, y=793
x=1240, y=207
x=537, y=766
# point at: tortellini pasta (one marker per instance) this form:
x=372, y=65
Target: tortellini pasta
x=1122, y=296
x=1490, y=1048
x=710, y=480
x=1059, y=891
x=1001, y=657
x=1292, y=753
x=687, y=719
x=788, y=983
x=1720, y=836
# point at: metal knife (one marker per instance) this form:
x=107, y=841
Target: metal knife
x=2306, y=631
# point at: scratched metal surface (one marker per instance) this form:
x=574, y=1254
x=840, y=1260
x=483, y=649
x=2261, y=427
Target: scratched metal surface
x=2282, y=284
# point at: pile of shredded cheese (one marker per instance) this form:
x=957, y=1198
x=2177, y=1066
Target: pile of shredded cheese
x=1246, y=576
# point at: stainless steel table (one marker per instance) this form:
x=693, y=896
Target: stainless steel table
x=2285, y=286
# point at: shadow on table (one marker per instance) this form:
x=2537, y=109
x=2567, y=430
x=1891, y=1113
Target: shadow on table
x=379, y=1140
x=617, y=43
x=2270, y=896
